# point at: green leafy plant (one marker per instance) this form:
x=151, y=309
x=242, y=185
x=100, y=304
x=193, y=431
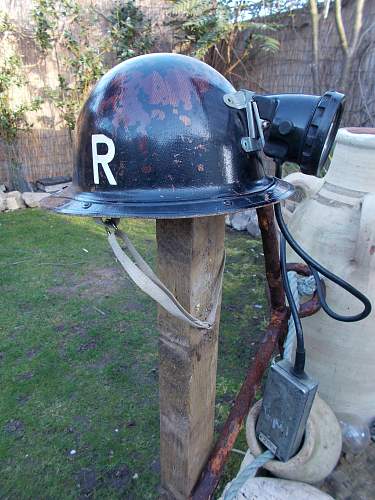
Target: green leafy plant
x=129, y=31
x=222, y=33
x=13, y=116
x=50, y=18
x=65, y=29
x=72, y=34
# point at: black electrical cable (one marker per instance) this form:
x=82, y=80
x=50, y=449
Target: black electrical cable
x=299, y=363
x=316, y=268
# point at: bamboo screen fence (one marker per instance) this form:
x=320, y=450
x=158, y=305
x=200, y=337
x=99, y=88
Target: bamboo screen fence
x=289, y=70
x=48, y=149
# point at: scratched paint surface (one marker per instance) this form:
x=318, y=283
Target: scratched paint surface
x=171, y=128
x=176, y=145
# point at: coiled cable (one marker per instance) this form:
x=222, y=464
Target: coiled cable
x=315, y=269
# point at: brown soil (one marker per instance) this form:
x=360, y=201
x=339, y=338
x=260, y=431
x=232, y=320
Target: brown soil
x=99, y=282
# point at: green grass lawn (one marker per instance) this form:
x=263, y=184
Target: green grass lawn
x=79, y=360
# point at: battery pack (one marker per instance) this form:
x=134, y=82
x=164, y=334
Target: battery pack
x=286, y=406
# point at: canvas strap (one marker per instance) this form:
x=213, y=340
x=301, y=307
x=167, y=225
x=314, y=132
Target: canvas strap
x=143, y=276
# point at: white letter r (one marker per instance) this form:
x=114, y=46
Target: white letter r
x=102, y=159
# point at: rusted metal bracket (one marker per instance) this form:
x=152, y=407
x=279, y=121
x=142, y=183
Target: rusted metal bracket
x=274, y=335
x=312, y=306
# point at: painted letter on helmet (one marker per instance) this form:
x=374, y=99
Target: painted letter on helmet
x=103, y=160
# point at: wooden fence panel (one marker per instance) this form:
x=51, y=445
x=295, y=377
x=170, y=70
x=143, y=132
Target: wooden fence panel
x=46, y=151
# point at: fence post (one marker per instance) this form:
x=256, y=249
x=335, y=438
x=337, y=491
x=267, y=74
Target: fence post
x=190, y=253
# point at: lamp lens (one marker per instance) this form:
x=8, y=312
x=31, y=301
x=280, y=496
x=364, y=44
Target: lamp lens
x=330, y=139
x=327, y=146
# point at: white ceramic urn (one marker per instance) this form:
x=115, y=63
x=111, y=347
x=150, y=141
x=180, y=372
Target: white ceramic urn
x=335, y=223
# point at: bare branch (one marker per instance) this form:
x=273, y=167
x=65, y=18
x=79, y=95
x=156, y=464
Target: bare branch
x=314, y=14
x=99, y=13
x=340, y=26
x=349, y=49
x=364, y=33
x=364, y=99
x=357, y=24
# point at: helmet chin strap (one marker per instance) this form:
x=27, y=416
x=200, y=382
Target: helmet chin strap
x=143, y=276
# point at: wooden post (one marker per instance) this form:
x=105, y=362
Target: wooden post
x=190, y=252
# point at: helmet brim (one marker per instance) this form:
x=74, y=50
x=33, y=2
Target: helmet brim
x=70, y=202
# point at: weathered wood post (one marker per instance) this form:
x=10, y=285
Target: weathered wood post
x=190, y=253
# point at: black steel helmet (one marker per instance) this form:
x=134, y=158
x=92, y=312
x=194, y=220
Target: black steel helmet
x=156, y=139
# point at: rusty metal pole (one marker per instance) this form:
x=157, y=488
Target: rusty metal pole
x=274, y=334
x=313, y=305
x=214, y=468
x=266, y=219
x=277, y=328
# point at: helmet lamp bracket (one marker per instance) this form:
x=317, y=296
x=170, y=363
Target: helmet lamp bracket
x=244, y=99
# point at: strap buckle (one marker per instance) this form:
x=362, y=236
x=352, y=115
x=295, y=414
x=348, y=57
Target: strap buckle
x=110, y=225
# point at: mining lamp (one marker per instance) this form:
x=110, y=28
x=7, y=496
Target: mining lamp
x=302, y=128
x=291, y=127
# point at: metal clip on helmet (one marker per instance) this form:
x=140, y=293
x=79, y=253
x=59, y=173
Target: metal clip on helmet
x=159, y=138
